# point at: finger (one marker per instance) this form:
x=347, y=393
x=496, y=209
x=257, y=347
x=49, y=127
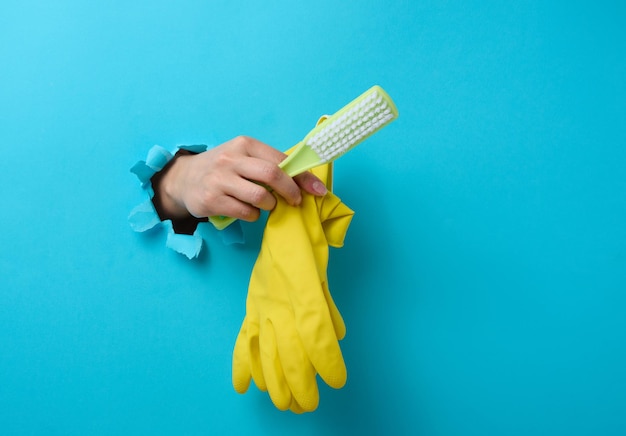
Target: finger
x=254, y=355
x=251, y=193
x=235, y=208
x=299, y=373
x=336, y=218
x=241, y=362
x=323, y=349
x=272, y=176
x=338, y=323
x=277, y=386
x=296, y=408
x=260, y=150
x=316, y=328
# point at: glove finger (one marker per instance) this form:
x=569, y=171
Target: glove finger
x=319, y=339
x=272, y=368
x=328, y=361
x=335, y=315
x=254, y=355
x=241, y=374
x=299, y=372
x=296, y=408
x=335, y=218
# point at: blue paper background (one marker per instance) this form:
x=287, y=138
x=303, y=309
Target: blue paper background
x=484, y=275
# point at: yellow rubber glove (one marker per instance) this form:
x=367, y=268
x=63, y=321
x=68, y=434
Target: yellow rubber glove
x=292, y=325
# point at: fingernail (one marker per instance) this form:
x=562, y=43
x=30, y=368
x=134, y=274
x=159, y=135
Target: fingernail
x=319, y=188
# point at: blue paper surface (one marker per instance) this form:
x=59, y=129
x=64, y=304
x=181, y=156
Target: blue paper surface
x=482, y=278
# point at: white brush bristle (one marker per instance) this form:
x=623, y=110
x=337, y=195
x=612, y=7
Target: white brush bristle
x=340, y=134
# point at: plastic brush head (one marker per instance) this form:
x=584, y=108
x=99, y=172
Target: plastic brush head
x=355, y=122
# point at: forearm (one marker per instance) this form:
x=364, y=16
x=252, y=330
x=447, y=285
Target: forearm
x=167, y=202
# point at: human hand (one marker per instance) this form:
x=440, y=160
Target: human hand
x=228, y=180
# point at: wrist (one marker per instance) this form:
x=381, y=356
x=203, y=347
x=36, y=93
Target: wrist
x=167, y=192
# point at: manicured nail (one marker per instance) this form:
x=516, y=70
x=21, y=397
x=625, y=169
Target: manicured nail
x=319, y=188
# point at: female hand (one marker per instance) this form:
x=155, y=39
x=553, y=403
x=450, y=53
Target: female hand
x=226, y=180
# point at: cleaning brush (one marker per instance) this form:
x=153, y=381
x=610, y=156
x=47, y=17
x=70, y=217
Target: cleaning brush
x=335, y=136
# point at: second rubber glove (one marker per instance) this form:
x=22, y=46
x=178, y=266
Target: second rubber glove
x=292, y=326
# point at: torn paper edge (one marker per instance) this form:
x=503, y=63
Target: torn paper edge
x=144, y=216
